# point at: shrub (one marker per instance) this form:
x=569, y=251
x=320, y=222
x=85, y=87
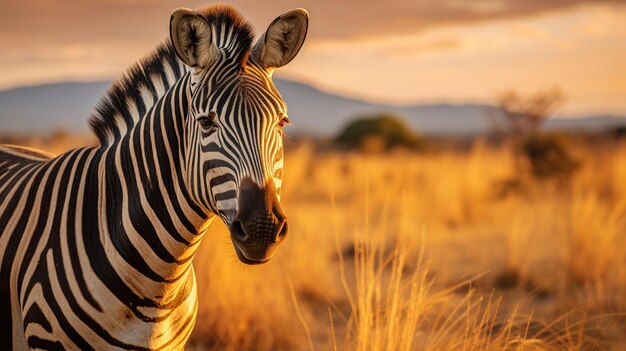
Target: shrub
x=619, y=132
x=547, y=157
x=378, y=133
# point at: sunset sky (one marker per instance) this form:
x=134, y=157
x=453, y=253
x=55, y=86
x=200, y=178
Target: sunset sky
x=393, y=51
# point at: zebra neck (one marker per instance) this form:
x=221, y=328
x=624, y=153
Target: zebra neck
x=151, y=220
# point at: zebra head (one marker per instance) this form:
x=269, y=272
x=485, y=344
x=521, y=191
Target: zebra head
x=234, y=151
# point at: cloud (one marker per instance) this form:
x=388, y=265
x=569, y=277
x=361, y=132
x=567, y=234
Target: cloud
x=30, y=27
x=436, y=45
x=30, y=22
x=393, y=50
x=392, y=46
x=358, y=18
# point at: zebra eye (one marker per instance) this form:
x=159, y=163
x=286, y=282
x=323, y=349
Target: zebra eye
x=283, y=122
x=208, y=122
x=205, y=122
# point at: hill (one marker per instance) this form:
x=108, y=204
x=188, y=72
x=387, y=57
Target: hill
x=45, y=108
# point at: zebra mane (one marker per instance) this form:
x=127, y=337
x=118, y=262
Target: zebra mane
x=145, y=82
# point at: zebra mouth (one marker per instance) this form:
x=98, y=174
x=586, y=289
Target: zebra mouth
x=243, y=257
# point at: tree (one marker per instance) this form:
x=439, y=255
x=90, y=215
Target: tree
x=542, y=155
x=524, y=115
x=378, y=132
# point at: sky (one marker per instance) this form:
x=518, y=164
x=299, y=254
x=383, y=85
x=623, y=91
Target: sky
x=393, y=51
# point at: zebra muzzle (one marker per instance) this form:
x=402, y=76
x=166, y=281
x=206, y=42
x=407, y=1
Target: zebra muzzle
x=260, y=225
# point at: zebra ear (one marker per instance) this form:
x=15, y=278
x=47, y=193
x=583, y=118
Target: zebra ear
x=282, y=40
x=191, y=37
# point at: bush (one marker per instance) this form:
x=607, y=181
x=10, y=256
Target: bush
x=619, y=132
x=547, y=156
x=378, y=133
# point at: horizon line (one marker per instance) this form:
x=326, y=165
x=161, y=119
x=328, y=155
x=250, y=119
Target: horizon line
x=378, y=103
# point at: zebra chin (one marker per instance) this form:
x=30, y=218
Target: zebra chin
x=260, y=226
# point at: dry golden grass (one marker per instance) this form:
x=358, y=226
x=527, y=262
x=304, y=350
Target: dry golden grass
x=428, y=252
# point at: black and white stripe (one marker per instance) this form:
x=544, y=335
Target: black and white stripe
x=96, y=244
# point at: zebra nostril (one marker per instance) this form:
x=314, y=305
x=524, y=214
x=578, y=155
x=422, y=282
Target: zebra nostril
x=278, y=213
x=236, y=230
x=282, y=231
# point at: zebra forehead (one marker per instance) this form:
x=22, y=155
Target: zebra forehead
x=251, y=90
x=250, y=107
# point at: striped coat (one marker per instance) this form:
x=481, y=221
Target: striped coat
x=96, y=245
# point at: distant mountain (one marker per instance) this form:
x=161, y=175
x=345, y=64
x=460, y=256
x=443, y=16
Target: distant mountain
x=589, y=123
x=321, y=113
x=45, y=108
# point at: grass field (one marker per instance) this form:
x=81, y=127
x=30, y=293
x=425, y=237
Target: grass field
x=433, y=251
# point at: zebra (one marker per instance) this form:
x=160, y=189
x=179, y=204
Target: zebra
x=96, y=245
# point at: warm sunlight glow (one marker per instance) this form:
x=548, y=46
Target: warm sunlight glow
x=579, y=49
